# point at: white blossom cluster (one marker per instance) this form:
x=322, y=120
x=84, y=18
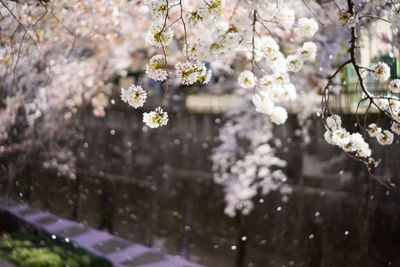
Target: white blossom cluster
x=244, y=170
x=156, y=118
x=156, y=68
x=211, y=35
x=384, y=137
x=67, y=59
x=381, y=72
x=273, y=88
x=348, y=19
x=247, y=79
x=394, y=86
x=388, y=103
x=135, y=96
x=80, y=39
x=188, y=73
x=307, y=27
x=63, y=162
x=99, y=102
x=245, y=163
x=353, y=143
x=161, y=34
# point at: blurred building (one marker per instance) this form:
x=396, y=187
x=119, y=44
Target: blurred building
x=377, y=44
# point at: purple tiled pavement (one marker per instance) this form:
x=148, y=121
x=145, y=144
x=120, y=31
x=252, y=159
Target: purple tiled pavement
x=121, y=253
x=127, y=253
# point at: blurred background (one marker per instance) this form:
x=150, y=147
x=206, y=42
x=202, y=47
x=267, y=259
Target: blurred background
x=70, y=146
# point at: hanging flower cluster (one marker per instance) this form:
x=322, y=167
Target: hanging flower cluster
x=210, y=31
x=352, y=143
x=274, y=89
x=161, y=34
x=56, y=59
x=245, y=164
x=391, y=107
x=355, y=16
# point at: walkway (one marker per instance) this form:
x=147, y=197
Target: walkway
x=4, y=263
x=120, y=252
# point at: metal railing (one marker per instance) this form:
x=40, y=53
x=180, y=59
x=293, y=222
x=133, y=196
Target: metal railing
x=348, y=100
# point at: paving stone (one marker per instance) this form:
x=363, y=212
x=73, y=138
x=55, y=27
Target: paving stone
x=145, y=258
x=112, y=245
x=58, y=225
x=91, y=238
x=17, y=208
x=4, y=263
x=47, y=220
x=128, y=253
x=27, y=211
x=33, y=217
x=72, y=231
